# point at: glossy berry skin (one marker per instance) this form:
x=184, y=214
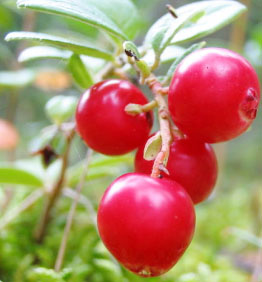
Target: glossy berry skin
x=192, y=164
x=214, y=95
x=103, y=123
x=146, y=223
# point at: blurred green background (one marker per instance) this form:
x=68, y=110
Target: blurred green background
x=226, y=246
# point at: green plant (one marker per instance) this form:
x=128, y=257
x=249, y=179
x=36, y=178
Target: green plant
x=98, y=46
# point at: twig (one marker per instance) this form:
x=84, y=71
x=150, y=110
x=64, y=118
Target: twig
x=62, y=249
x=70, y=193
x=26, y=204
x=55, y=192
x=165, y=128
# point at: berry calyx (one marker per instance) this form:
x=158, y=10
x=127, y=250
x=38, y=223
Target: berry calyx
x=214, y=95
x=103, y=122
x=192, y=164
x=146, y=223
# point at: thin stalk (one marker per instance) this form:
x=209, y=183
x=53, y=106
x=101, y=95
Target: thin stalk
x=69, y=222
x=55, y=192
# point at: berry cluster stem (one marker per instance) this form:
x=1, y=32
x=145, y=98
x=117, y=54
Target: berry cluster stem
x=165, y=128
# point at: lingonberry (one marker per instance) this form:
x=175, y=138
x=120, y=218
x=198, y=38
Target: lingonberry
x=103, y=123
x=146, y=223
x=214, y=95
x=192, y=164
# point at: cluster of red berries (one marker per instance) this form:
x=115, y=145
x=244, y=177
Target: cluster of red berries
x=147, y=223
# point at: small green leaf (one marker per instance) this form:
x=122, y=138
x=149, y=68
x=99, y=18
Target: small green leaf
x=16, y=79
x=118, y=17
x=153, y=147
x=12, y=175
x=162, y=32
x=218, y=13
x=74, y=45
x=131, y=50
x=177, y=61
x=43, y=52
x=143, y=68
x=79, y=72
x=61, y=108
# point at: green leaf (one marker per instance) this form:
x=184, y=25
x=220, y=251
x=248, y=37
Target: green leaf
x=12, y=175
x=246, y=236
x=162, y=32
x=79, y=72
x=101, y=166
x=61, y=108
x=16, y=79
x=74, y=45
x=153, y=147
x=177, y=61
x=217, y=15
x=43, y=52
x=131, y=50
x=169, y=54
x=118, y=17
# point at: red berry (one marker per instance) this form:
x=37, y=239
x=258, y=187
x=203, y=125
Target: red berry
x=214, y=95
x=192, y=164
x=146, y=223
x=103, y=123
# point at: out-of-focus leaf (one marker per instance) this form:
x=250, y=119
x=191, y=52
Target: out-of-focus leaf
x=61, y=108
x=101, y=166
x=79, y=72
x=12, y=175
x=118, y=17
x=169, y=54
x=102, y=160
x=43, y=52
x=16, y=79
x=218, y=13
x=75, y=46
x=246, y=236
x=162, y=32
x=188, y=51
x=6, y=20
x=5, y=52
x=44, y=275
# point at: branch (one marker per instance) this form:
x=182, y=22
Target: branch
x=55, y=192
x=165, y=128
x=62, y=249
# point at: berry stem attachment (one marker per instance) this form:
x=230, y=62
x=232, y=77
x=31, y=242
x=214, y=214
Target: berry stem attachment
x=134, y=109
x=165, y=128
